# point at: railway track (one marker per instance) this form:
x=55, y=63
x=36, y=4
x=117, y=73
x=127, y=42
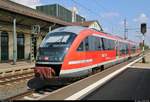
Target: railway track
x=14, y=81
x=16, y=78
x=32, y=94
x=36, y=95
x=15, y=75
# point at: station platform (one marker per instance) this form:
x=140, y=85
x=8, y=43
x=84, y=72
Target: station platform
x=143, y=65
x=7, y=68
x=120, y=82
x=132, y=84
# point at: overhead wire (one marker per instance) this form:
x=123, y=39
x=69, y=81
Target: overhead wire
x=91, y=11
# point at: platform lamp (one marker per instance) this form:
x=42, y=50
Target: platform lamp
x=143, y=31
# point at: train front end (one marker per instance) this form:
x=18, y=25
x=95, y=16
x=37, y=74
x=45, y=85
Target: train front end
x=51, y=54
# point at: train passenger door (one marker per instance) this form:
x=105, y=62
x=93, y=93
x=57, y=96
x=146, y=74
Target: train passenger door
x=117, y=49
x=86, y=54
x=104, y=53
x=80, y=55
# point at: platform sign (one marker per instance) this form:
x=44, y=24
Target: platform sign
x=35, y=29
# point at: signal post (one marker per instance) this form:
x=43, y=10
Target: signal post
x=143, y=31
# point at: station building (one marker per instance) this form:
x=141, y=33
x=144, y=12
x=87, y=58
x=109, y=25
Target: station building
x=90, y=24
x=19, y=38
x=20, y=35
x=61, y=12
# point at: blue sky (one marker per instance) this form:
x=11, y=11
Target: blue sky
x=109, y=13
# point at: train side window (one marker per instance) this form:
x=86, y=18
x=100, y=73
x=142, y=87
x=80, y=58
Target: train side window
x=112, y=44
x=109, y=44
x=95, y=43
x=103, y=43
x=127, y=49
x=120, y=48
x=81, y=47
x=91, y=41
x=106, y=44
x=100, y=46
x=123, y=49
x=86, y=44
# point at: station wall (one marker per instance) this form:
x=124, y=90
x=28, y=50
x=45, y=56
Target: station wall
x=27, y=42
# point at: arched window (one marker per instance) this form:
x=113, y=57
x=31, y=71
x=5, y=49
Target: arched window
x=20, y=45
x=4, y=46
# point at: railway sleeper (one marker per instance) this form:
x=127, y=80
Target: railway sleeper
x=15, y=72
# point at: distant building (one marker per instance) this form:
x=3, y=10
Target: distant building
x=60, y=12
x=91, y=24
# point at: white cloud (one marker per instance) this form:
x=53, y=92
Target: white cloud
x=106, y=29
x=29, y=3
x=142, y=18
x=110, y=14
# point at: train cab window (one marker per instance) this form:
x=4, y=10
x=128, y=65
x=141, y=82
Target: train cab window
x=58, y=39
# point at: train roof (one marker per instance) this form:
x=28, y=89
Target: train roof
x=78, y=29
x=73, y=29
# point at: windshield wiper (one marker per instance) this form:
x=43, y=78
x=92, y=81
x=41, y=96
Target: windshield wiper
x=60, y=40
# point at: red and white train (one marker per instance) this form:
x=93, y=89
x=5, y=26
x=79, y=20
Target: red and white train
x=75, y=51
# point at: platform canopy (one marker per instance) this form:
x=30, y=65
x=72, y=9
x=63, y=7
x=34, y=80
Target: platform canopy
x=26, y=17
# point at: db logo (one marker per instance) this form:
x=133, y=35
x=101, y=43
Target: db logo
x=45, y=58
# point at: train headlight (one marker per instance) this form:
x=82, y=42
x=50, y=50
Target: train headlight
x=67, y=49
x=60, y=58
x=57, y=58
